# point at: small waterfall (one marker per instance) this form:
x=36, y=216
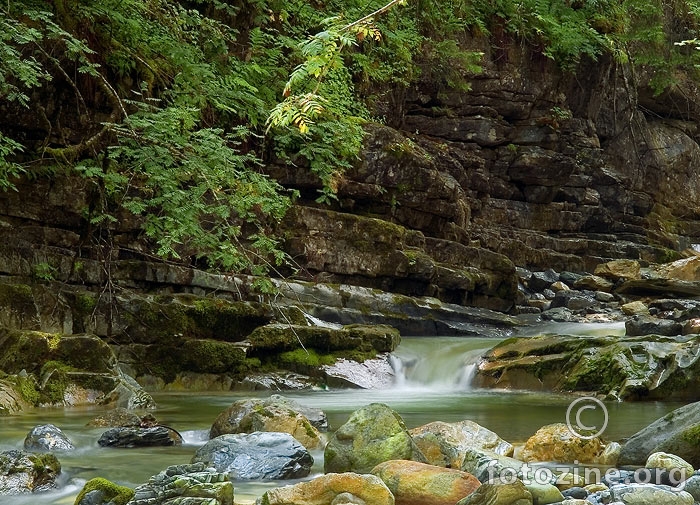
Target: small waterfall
x=314, y=321
x=447, y=363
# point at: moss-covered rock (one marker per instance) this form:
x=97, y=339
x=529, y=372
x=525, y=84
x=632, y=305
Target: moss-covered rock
x=650, y=366
x=22, y=472
x=99, y=491
x=372, y=435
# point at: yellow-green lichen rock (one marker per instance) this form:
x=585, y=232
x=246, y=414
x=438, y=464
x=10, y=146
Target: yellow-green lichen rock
x=99, y=490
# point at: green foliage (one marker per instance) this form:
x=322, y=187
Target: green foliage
x=44, y=272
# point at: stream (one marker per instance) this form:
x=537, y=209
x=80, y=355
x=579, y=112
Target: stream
x=431, y=384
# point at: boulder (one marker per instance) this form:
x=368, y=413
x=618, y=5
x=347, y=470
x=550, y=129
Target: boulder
x=624, y=269
x=646, y=325
x=414, y=483
x=514, y=493
x=258, y=455
x=372, y=435
x=444, y=444
x=22, y=472
x=539, y=281
x=544, y=494
x=671, y=463
x=556, y=442
x=574, y=300
x=649, y=366
x=692, y=486
x=99, y=491
x=487, y=466
x=185, y=484
x=677, y=433
x=686, y=269
x=649, y=494
x=130, y=436
x=594, y=283
x=275, y=414
x=370, y=374
x=47, y=438
x=636, y=308
x=332, y=489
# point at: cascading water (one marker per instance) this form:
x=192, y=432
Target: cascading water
x=444, y=363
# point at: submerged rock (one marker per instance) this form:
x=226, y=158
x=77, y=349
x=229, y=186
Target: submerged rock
x=275, y=414
x=129, y=436
x=332, y=489
x=256, y=456
x=372, y=435
x=185, y=484
x=47, y=437
x=22, y=472
x=414, y=483
x=115, y=418
x=445, y=444
x=677, y=433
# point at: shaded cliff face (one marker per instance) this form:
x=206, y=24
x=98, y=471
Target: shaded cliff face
x=549, y=169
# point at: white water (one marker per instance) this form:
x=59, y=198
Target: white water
x=445, y=364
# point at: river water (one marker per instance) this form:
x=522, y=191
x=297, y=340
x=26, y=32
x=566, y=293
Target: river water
x=432, y=384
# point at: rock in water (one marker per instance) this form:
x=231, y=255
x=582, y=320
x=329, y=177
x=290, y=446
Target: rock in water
x=499, y=494
x=99, y=491
x=129, y=436
x=47, y=437
x=276, y=414
x=259, y=455
x=185, y=484
x=678, y=433
x=444, y=444
x=21, y=472
x=372, y=435
x=414, y=483
x=333, y=488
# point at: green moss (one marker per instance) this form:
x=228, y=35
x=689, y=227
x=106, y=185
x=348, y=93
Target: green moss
x=54, y=377
x=692, y=435
x=115, y=493
x=46, y=468
x=85, y=303
x=305, y=358
x=212, y=356
x=28, y=388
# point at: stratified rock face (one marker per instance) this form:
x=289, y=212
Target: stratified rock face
x=333, y=488
x=196, y=483
x=676, y=433
x=649, y=366
x=21, y=472
x=445, y=444
x=259, y=455
x=414, y=483
x=372, y=435
x=276, y=414
x=129, y=436
x=47, y=437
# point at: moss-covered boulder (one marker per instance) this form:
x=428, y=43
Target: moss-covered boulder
x=275, y=414
x=677, y=433
x=11, y=400
x=99, y=491
x=372, y=435
x=22, y=472
x=414, y=483
x=640, y=367
x=195, y=483
x=285, y=337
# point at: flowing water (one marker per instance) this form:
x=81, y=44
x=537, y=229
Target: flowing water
x=432, y=383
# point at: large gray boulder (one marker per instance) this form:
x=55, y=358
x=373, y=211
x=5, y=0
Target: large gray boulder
x=678, y=433
x=372, y=435
x=47, y=437
x=259, y=455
